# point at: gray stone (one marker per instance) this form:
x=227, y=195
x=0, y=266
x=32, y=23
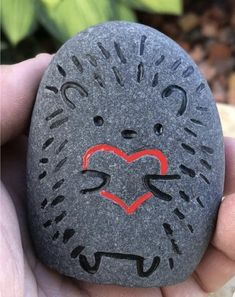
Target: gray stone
x=125, y=159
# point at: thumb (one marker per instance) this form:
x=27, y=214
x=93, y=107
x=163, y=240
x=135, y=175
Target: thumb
x=18, y=85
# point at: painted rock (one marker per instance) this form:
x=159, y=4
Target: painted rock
x=125, y=160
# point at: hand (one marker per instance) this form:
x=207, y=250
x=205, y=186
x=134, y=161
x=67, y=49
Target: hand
x=21, y=273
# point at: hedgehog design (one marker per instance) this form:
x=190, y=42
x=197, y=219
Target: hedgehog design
x=125, y=160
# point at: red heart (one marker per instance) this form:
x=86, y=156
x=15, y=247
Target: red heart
x=157, y=154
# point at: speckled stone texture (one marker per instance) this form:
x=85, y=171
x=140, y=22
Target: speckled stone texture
x=125, y=159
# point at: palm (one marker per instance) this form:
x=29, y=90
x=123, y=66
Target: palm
x=39, y=280
x=21, y=272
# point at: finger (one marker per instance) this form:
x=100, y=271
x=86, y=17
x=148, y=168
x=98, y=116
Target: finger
x=185, y=289
x=214, y=270
x=224, y=236
x=94, y=290
x=218, y=264
x=229, y=186
x=18, y=84
x=11, y=254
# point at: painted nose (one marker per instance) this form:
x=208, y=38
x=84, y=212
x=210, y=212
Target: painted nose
x=129, y=134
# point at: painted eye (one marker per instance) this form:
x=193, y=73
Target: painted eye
x=158, y=129
x=98, y=121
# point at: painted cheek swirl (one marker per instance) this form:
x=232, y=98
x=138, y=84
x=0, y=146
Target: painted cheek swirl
x=168, y=91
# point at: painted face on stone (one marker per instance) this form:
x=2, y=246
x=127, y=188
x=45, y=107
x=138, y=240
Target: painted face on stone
x=125, y=158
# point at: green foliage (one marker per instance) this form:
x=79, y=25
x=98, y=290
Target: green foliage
x=17, y=18
x=64, y=18
x=160, y=6
x=123, y=12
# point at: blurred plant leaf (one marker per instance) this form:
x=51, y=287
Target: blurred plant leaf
x=160, y=6
x=51, y=3
x=17, y=18
x=3, y=46
x=65, y=18
x=124, y=13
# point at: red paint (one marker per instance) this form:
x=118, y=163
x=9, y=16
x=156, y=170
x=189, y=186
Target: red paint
x=128, y=158
x=158, y=155
x=128, y=209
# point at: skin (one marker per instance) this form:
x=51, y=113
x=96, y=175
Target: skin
x=21, y=273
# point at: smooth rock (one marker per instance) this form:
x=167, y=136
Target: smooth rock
x=125, y=159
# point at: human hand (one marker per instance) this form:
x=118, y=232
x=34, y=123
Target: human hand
x=21, y=273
